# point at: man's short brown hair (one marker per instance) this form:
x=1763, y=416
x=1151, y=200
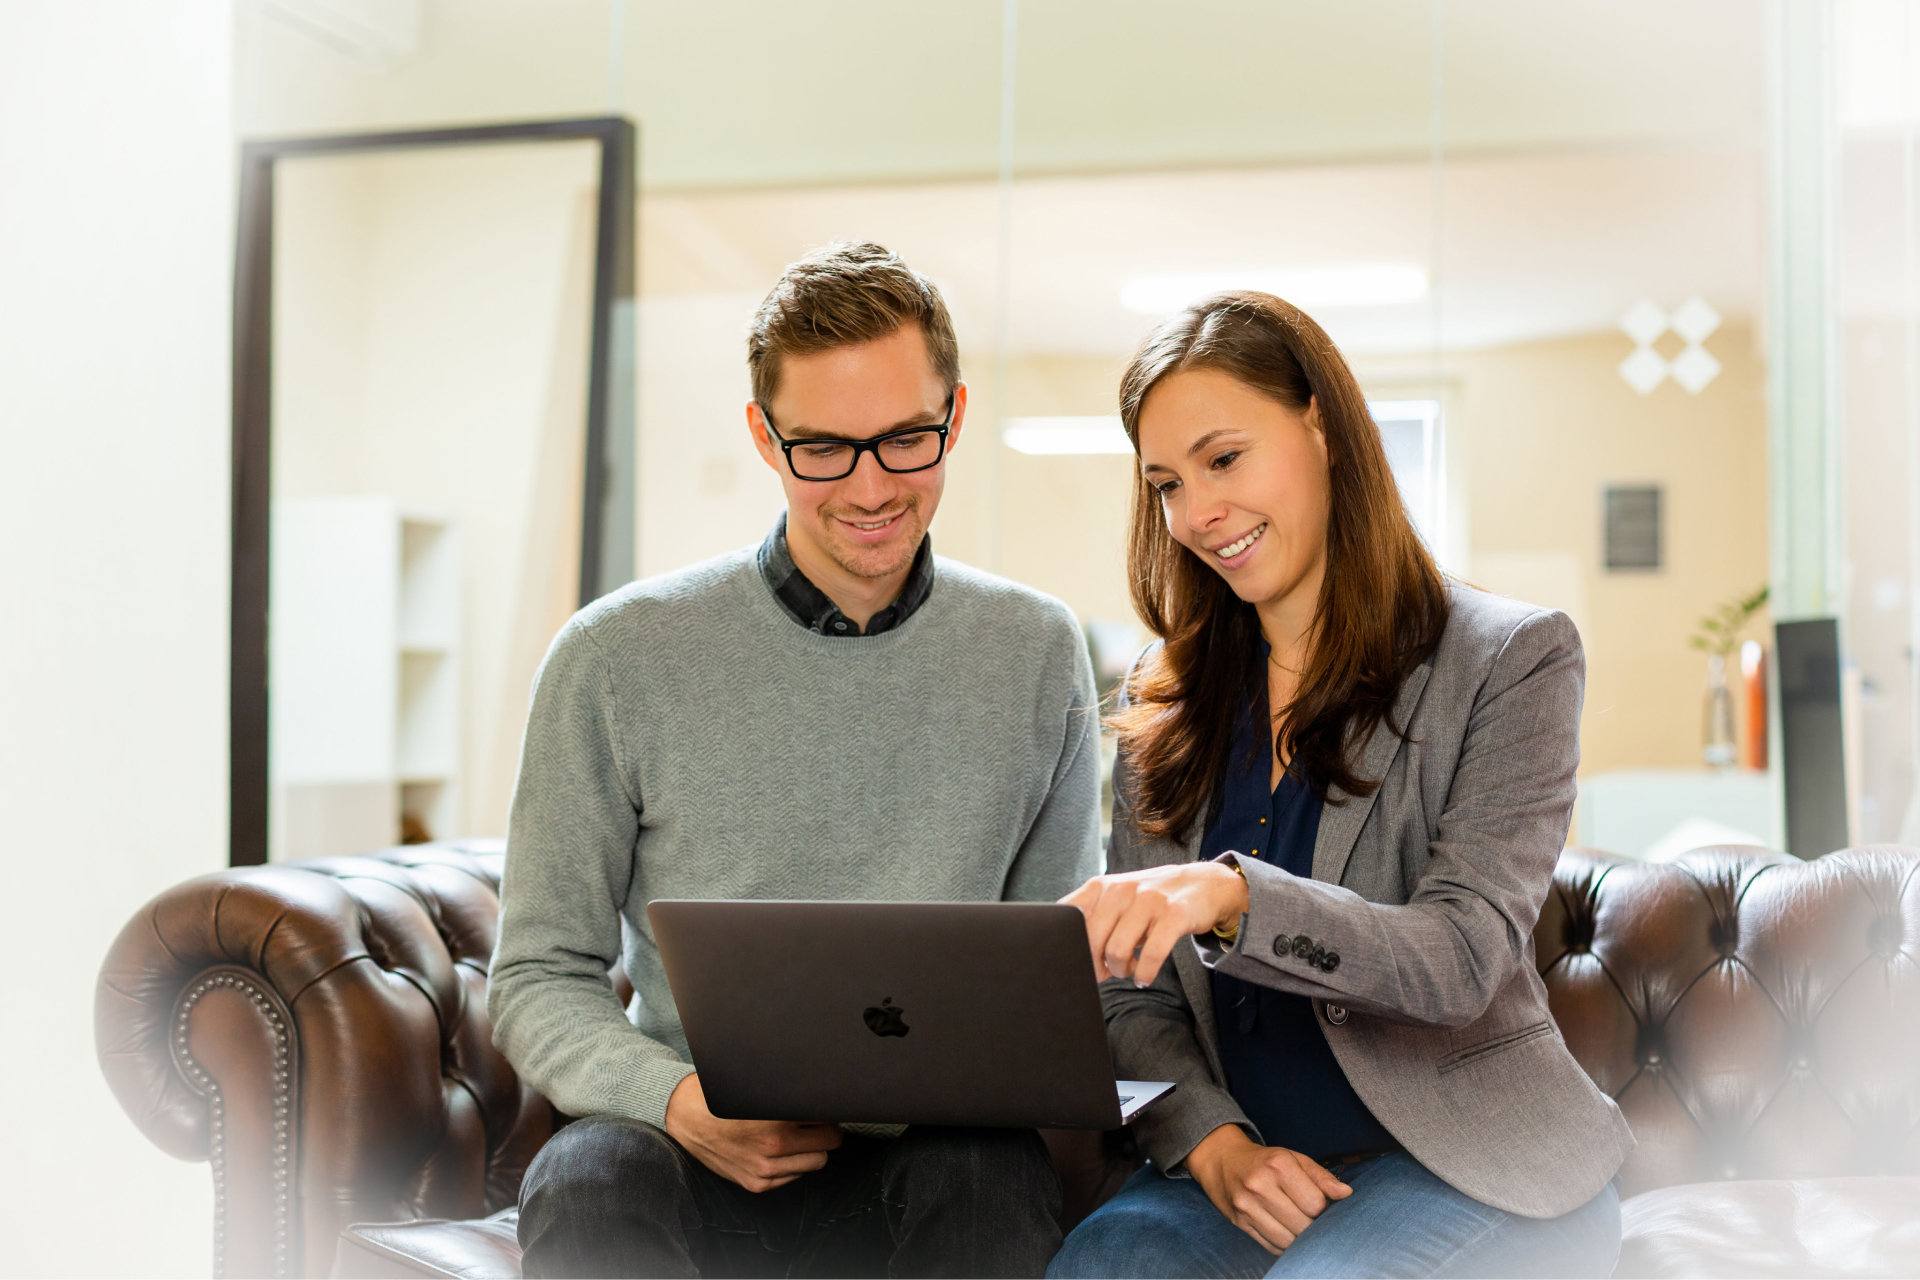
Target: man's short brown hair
x=840, y=296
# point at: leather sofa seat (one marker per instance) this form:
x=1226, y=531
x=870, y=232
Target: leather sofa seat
x=318, y=1031
x=481, y=1249
x=1853, y=1227
x=1867, y=1226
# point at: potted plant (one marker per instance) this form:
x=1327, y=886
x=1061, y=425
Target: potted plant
x=1719, y=635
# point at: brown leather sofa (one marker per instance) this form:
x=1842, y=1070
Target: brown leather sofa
x=318, y=1031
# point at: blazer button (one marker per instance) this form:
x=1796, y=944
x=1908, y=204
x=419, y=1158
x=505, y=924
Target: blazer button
x=1329, y=962
x=1302, y=947
x=1337, y=1015
x=1283, y=946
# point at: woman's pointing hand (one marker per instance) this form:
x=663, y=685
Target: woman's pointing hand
x=1134, y=920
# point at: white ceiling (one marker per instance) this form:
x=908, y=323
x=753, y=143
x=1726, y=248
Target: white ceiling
x=734, y=93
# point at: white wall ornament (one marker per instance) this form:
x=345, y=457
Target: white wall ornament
x=1695, y=367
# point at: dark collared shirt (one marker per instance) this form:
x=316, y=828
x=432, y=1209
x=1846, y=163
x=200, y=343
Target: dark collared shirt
x=1279, y=1066
x=809, y=606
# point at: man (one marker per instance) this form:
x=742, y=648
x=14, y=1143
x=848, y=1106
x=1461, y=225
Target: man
x=839, y=714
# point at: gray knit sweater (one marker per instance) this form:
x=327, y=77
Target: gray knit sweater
x=689, y=740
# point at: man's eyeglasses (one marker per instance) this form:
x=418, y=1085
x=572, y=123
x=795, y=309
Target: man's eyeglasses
x=827, y=458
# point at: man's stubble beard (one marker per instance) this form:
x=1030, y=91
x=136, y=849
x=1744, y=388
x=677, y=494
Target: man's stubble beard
x=848, y=556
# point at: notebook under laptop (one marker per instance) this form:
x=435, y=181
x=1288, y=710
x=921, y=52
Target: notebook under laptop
x=894, y=1013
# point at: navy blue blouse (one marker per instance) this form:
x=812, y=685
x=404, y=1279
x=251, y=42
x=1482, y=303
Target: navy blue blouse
x=1279, y=1066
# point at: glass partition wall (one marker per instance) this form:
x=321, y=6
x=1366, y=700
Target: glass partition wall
x=1876, y=237
x=1542, y=236
x=1538, y=236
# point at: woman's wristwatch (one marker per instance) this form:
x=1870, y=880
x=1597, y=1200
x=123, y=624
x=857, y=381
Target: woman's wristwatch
x=1230, y=931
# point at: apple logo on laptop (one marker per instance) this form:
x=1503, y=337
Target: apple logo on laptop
x=885, y=1019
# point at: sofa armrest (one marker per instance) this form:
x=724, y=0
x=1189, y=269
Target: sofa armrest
x=318, y=1031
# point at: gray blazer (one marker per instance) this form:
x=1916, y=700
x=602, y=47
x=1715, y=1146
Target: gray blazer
x=1414, y=938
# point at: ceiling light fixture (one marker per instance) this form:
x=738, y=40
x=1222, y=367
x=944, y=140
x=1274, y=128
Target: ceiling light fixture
x=1381, y=284
x=1066, y=435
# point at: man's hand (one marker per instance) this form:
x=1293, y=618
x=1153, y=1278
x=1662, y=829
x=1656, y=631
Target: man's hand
x=1134, y=920
x=758, y=1154
x=1270, y=1193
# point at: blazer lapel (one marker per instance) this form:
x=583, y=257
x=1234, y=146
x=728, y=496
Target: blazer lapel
x=1340, y=823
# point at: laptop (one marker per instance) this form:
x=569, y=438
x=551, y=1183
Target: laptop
x=973, y=1013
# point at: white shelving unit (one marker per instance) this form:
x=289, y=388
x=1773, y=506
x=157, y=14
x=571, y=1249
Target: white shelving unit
x=364, y=681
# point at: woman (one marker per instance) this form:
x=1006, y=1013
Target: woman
x=1342, y=787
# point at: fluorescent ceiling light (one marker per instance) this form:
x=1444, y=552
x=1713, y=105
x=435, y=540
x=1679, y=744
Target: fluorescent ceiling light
x=1067, y=435
x=1372, y=285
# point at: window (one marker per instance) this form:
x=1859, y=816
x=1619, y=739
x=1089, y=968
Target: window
x=1410, y=429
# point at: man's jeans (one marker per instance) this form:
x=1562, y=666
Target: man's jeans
x=613, y=1197
x=1399, y=1221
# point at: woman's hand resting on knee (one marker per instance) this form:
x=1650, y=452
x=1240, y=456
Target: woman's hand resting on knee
x=758, y=1154
x=1270, y=1193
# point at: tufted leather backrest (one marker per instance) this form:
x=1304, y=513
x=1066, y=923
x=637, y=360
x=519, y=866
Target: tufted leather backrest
x=319, y=1031
x=1755, y=1016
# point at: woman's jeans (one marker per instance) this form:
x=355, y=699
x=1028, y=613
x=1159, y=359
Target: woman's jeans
x=1399, y=1221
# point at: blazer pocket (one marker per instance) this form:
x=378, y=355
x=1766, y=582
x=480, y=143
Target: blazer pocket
x=1498, y=1044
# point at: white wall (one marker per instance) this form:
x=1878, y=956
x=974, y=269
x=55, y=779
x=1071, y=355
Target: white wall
x=115, y=195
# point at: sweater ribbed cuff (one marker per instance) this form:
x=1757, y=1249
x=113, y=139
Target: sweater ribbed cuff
x=643, y=1094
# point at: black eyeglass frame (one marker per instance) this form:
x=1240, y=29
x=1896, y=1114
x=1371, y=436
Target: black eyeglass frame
x=871, y=445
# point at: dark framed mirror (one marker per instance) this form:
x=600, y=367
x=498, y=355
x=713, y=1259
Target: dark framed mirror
x=296, y=533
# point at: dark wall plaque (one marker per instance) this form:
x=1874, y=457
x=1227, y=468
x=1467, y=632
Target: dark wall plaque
x=1633, y=526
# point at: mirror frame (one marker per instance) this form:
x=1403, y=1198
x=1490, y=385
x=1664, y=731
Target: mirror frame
x=608, y=485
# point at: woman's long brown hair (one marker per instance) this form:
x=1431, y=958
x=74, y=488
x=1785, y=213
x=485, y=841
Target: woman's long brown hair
x=1382, y=603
